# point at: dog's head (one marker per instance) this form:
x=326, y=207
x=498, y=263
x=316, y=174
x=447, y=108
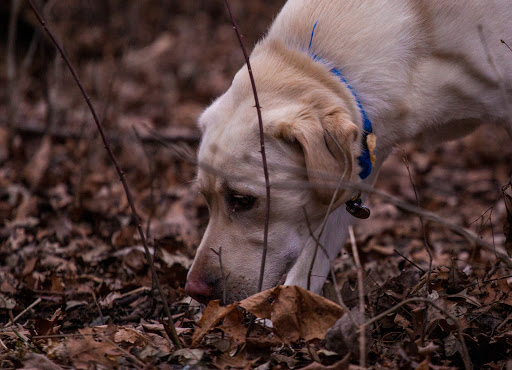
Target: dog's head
x=311, y=143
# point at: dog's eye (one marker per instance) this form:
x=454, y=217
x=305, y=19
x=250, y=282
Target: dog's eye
x=239, y=202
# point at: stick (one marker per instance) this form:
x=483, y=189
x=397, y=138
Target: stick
x=338, y=294
x=224, y=278
x=129, y=197
x=425, y=242
x=329, y=210
x=504, y=42
x=408, y=260
x=360, y=283
x=98, y=307
x=262, y=145
x=317, y=240
x=363, y=188
x=35, y=303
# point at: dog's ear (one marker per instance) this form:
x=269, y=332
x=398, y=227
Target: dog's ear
x=330, y=145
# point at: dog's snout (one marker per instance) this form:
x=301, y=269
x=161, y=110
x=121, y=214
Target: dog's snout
x=199, y=290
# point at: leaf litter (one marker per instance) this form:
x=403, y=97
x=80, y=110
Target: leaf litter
x=75, y=288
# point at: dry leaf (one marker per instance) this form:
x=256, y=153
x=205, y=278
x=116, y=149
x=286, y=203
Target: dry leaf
x=295, y=312
x=212, y=315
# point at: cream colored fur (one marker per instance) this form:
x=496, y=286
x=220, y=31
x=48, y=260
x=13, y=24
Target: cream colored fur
x=426, y=70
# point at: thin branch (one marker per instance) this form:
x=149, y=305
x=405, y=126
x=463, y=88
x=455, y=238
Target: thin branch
x=98, y=307
x=35, y=303
x=333, y=275
x=425, y=242
x=469, y=235
x=129, y=197
x=262, y=145
x=35, y=128
x=329, y=209
x=408, y=260
x=360, y=283
x=504, y=42
x=464, y=354
x=138, y=364
x=224, y=277
x=322, y=227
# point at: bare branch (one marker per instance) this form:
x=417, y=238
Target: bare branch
x=224, y=277
x=425, y=242
x=175, y=337
x=360, y=283
x=262, y=145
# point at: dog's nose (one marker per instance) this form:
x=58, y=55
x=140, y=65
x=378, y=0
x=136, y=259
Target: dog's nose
x=198, y=290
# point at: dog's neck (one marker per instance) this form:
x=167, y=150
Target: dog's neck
x=365, y=159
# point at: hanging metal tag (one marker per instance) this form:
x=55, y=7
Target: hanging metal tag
x=357, y=209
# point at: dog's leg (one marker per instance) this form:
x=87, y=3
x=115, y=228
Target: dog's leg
x=333, y=239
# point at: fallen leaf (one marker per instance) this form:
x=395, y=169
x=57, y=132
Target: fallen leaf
x=188, y=356
x=295, y=312
x=212, y=315
x=7, y=303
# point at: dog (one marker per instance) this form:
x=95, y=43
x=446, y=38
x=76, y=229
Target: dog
x=340, y=83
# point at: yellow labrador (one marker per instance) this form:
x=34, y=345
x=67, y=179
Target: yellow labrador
x=333, y=76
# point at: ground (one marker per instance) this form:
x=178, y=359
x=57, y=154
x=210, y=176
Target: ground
x=75, y=286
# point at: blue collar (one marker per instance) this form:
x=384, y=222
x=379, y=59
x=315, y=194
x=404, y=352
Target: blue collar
x=364, y=159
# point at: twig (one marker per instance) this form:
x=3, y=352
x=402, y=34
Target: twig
x=328, y=212
x=360, y=283
x=488, y=281
x=322, y=227
x=2, y=344
x=35, y=128
x=504, y=42
x=492, y=64
x=129, y=197
x=360, y=187
x=333, y=275
x=52, y=336
x=425, y=242
x=408, y=260
x=98, y=307
x=465, y=353
x=151, y=185
x=262, y=145
x=224, y=278
x=35, y=303
x=138, y=362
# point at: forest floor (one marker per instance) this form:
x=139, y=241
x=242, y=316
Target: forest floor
x=75, y=288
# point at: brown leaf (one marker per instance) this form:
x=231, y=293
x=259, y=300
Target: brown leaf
x=35, y=361
x=240, y=361
x=212, y=315
x=233, y=326
x=295, y=312
x=130, y=335
x=85, y=351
